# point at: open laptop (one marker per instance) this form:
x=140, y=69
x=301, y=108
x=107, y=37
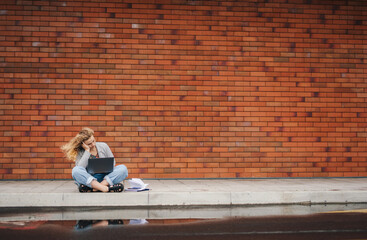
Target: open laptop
x=100, y=165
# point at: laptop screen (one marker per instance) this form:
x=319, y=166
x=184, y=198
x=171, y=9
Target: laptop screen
x=100, y=165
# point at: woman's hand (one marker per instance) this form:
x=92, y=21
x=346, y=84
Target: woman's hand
x=85, y=146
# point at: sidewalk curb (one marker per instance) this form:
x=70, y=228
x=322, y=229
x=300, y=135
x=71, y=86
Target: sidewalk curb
x=159, y=199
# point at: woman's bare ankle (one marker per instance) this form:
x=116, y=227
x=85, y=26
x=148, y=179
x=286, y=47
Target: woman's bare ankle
x=106, y=189
x=98, y=186
x=105, y=183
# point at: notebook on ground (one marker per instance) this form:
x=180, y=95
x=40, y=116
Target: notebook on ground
x=100, y=165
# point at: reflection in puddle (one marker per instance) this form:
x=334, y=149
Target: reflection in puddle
x=89, y=224
x=78, y=225
x=138, y=221
x=348, y=225
x=85, y=224
x=18, y=225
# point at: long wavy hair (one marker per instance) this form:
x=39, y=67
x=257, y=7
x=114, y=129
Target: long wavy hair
x=75, y=144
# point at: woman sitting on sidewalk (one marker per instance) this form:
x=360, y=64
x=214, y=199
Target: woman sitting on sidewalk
x=83, y=147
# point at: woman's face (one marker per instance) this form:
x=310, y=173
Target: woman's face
x=91, y=142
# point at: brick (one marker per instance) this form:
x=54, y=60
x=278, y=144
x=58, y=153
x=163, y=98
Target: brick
x=181, y=97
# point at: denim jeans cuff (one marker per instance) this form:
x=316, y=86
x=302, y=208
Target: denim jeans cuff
x=108, y=179
x=89, y=181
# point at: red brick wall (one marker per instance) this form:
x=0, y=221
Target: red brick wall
x=185, y=88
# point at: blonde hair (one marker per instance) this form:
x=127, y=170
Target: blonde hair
x=75, y=144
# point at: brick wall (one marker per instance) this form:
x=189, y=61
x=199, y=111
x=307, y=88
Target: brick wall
x=186, y=88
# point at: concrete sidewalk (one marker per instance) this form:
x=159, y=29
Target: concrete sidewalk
x=189, y=192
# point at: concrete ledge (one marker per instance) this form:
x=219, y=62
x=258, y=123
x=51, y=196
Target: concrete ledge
x=218, y=192
x=211, y=212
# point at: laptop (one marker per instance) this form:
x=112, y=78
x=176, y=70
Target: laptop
x=100, y=165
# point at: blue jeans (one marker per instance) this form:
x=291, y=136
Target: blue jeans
x=81, y=176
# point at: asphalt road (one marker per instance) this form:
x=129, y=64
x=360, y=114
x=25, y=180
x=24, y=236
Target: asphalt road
x=344, y=225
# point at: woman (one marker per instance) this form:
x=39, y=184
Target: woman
x=83, y=147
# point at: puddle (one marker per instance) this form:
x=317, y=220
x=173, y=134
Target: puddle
x=82, y=218
x=245, y=223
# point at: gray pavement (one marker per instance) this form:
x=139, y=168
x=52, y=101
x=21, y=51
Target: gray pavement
x=189, y=192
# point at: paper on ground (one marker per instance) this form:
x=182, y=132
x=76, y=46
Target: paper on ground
x=136, y=184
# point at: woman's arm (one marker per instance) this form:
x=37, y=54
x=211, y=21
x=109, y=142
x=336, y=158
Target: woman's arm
x=104, y=150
